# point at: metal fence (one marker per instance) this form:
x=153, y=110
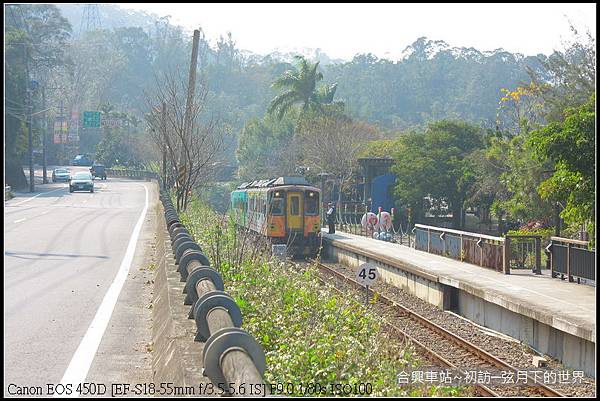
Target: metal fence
x=524, y=252
x=136, y=174
x=571, y=258
x=478, y=249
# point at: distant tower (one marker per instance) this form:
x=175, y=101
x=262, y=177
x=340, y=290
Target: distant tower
x=90, y=19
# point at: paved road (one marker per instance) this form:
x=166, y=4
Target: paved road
x=62, y=253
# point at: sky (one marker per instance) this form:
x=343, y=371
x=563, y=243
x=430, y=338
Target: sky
x=343, y=30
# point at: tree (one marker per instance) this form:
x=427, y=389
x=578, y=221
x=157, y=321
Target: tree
x=301, y=86
x=522, y=109
x=519, y=174
x=379, y=148
x=331, y=144
x=435, y=165
x=570, y=145
x=123, y=143
x=571, y=74
x=264, y=147
x=35, y=38
x=201, y=141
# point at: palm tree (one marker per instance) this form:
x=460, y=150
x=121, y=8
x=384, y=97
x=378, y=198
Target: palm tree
x=302, y=89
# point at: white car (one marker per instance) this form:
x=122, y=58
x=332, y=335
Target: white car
x=60, y=174
x=82, y=181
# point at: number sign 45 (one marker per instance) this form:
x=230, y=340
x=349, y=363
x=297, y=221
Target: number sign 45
x=367, y=274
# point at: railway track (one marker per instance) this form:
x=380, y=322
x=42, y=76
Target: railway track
x=442, y=347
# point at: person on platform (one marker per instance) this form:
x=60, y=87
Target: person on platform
x=331, y=217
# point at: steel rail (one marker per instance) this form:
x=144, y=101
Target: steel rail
x=433, y=356
x=468, y=346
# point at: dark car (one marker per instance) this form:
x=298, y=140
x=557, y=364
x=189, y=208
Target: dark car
x=81, y=160
x=82, y=181
x=98, y=170
x=60, y=174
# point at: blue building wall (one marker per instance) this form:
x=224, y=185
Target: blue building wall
x=381, y=192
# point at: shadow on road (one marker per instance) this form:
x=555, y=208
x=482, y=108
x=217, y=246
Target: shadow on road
x=43, y=255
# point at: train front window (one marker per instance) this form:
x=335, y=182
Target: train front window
x=311, y=202
x=277, y=207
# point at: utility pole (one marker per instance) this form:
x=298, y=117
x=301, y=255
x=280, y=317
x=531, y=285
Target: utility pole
x=164, y=150
x=29, y=121
x=44, y=136
x=190, y=97
x=30, y=142
x=61, y=119
x=184, y=163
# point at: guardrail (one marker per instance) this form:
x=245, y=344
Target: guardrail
x=571, y=258
x=137, y=174
x=498, y=253
x=478, y=249
x=231, y=356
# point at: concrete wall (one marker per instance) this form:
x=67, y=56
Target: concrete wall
x=176, y=357
x=574, y=352
x=427, y=290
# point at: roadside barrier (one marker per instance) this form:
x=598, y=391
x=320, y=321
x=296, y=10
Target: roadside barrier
x=136, y=174
x=231, y=356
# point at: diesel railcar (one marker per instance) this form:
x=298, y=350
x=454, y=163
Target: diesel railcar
x=286, y=210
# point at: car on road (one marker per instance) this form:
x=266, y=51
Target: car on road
x=60, y=174
x=82, y=160
x=81, y=181
x=98, y=170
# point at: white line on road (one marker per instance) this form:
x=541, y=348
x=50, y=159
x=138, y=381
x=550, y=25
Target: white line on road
x=27, y=200
x=82, y=359
x=20, y=220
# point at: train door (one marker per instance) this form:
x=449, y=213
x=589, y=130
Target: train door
x=294, y=211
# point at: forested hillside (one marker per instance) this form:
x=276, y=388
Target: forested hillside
x=432, y=81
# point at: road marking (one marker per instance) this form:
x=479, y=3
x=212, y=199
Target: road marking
x=20, y=220
x=27, y=200
x=82, y=359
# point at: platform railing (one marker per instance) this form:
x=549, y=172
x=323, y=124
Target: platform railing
x=478, y=249
x=524, y=252
x=571, y=259
x=502, y=254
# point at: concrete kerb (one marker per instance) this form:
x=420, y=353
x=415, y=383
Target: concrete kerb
x=175, y=359
x=236, y=366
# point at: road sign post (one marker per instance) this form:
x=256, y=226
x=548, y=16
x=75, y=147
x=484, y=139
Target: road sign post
x=366, y=275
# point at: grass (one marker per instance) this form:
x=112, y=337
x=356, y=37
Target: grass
x=310, y=334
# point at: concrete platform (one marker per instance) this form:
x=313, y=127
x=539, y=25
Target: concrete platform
x=552, y=316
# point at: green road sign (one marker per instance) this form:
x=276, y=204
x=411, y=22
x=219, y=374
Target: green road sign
x=91, y=119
